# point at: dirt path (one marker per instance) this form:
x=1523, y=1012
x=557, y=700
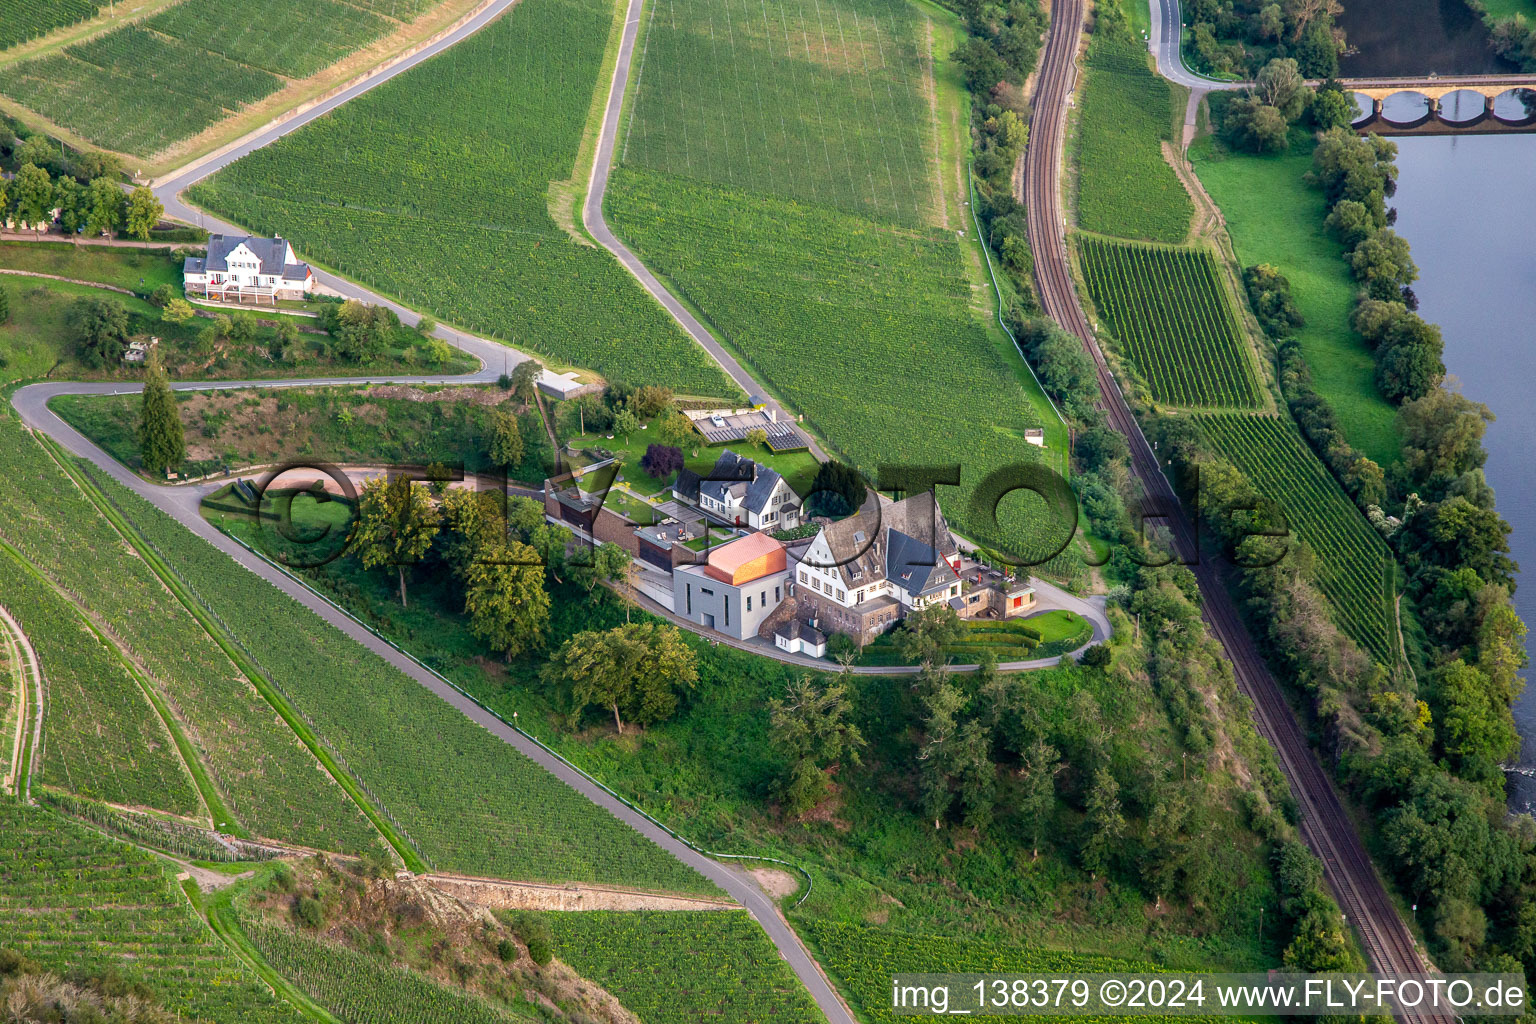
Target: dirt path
x=28, y=665
x=499, y=893
x=119, y=243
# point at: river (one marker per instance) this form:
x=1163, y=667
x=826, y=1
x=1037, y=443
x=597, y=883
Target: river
x=1466, y=205
x=1415, y=37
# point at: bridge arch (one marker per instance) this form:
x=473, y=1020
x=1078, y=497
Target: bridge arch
x=1462, y=108
x=1515, y=107
x=1406, y=108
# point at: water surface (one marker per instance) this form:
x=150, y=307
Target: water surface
x=1397, y=38
x=1466, y=205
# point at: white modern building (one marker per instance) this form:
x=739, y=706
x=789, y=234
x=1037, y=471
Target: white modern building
x=248, y=269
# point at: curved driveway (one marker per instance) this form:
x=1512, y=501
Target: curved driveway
x=1167, y=31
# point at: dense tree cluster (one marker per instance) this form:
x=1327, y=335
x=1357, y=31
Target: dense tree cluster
x=92, y=208
x=1240, y=36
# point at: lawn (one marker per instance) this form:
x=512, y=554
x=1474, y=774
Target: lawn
x=1124, y=186
x=1274, y=217
x=1499, y=9
x=374, y=425
x=436, y=188
x=1044, y=635
x=139, y=270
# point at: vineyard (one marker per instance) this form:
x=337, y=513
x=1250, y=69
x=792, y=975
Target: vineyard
x=684, y=966
x=24, y=20
x=1168, y=308
x=361, y=990
x=270, y=782
x=135, y=91
x=280, y=36
x=867, y=328
x=468, y=801
x=76, y=900
x=1125, y=187
x=101, y=736
x=434, y=188
x=818, y=101
x=1355, y=570
x=865, y=959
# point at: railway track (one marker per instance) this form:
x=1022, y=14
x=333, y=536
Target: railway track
x=1325, y=826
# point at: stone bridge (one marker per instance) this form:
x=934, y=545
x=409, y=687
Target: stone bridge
x=1477, y=103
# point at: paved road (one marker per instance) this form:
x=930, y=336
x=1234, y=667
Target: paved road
x=1325, y=825
x=181, y=503
x=1164, y=44
x=592, y=217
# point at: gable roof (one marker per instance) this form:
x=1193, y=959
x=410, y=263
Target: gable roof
x=271, y=253
x=862, y=545
x=914, y=566
x=686, y=485
x=760, y=490
x=733, y=475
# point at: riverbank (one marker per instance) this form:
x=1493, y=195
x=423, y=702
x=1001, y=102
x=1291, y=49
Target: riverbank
x=1274, y=217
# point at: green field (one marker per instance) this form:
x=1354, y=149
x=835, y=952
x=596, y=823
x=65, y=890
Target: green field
x=436, y=188
x=1355, y=569
x=1169, y=310
x=357, y=987
x=684, y=967
x=135, y=91
x=271, y=784
x=1274, y=217
x=863, y=326
x=21, y=20
x=1124, y=186
x=824, y=103
x=101, y=736
x=1499, y=9
x=78, y=901
x=295, y=40
x=468, y=801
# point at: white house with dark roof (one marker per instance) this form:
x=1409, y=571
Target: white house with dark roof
x=740, y=492
x=248, y=269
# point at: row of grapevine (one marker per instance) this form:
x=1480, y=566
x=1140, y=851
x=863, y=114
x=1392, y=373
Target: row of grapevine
x=681, y=967
x=1124, y=186
x=868, y=328
x=434, y=188
x=865, y=959
x=76, y=900
x=362, y=990
x=282, y=36
x=804, y=99
x=24, y=20
x=1355, y=569
x=135, y=91
x=101, y=736
x=270, y=782
x=471, y=802
x=1168, y=309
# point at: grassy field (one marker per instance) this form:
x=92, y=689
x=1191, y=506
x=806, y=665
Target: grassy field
x=1168, y=309
x=824, y=103
x=1124, y=186
x=1040, y=636
x=683, y=967
x=135, y=91
x=138, y=270
x=1274, y=217
x=865, y=327
x=1354, y=564
x=101, y=736
x=1497, y=9
x=291, y=39
x=470, y=802
x=339, y=425
x=436, y=187
x=857, y=313
x=21, y=20
x=78, y=901
x=273, y=786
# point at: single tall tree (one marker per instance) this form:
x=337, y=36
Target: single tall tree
x=505, y=597
x=810, y=727
x=162, y=444
x=105, y=208
x=506, y=439
x=396, y=521
x=34, y=196
x=144, y=212
x=1041, y=763
x=525, y=376
x=634, y=671
x=1105, y=822
x=937, y=756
